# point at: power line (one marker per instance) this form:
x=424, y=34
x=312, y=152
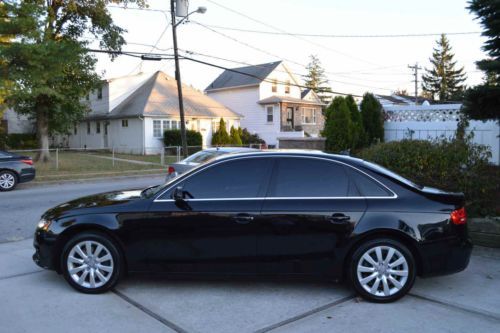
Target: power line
x=345, y=35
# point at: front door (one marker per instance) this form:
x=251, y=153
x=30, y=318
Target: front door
x=213, y=229
x=289, y=117
x=310, y=209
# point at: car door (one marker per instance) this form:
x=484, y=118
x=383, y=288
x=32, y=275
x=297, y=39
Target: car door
x=212, y=229
x=310, y=210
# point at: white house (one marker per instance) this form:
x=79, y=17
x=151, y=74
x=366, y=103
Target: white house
x=131, y=113
x=270, y=100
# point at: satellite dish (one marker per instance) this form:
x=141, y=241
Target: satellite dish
x=181, y=8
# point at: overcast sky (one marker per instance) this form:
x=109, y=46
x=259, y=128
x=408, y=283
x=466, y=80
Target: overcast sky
x=354, y=65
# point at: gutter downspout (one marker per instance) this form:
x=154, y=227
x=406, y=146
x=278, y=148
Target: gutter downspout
x=143, y=135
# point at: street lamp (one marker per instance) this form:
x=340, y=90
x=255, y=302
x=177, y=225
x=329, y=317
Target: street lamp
x=181, y=12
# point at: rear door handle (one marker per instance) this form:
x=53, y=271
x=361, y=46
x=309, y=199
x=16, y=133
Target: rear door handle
x=339, y=218
x=243, y=218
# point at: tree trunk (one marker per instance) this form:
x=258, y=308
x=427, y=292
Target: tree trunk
x=42, y=133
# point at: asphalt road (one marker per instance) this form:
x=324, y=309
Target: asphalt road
x=21, y=209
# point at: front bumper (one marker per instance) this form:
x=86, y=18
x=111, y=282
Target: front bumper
x=445, y=257
x=44, y=245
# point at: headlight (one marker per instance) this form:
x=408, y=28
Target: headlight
x=44, y=224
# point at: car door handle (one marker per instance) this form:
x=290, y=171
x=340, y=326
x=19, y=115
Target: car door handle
x=243, y=218
x=339, y=218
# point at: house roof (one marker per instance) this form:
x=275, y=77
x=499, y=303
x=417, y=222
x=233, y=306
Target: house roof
x=255, y=75
x=278, y=99
x=157, y=97
x=305, y=92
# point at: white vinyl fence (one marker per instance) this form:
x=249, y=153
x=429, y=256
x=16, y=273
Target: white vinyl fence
x=435, y=122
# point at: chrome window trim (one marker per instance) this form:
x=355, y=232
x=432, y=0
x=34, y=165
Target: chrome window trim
x=394, y=196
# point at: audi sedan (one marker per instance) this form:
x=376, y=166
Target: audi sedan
x=293, y=214
x=15, y=169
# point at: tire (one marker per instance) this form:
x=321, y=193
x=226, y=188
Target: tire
x=95, y=273
x=377, y=280
x=8, y=180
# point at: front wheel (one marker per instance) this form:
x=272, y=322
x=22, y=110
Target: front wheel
x=91, y=263
x=382, y=270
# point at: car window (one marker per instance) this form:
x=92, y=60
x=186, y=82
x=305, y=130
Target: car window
x=203, y=156
x=381, y=169
x=243, y=178
x=367, y=186
x=307, y=177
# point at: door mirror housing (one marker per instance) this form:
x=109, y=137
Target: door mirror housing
x=178, y=193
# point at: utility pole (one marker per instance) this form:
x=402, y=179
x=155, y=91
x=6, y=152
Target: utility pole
x=179, y=83
x=415, y=69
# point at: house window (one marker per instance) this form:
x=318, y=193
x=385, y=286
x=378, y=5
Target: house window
x=75, y=129
x=98, y=127
x=274, y=87
x=176, y=124
x=124, y=122
x=287, y=87
x=99, y=93
x=269, y=111
x=157, y=128
x=308, y=116
x=88, y=127
x=166, y=125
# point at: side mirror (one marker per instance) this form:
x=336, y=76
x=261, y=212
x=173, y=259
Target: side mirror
x=178, y=193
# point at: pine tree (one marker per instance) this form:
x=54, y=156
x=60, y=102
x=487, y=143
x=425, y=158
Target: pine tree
x=338, y=126
x=235, y=137
x=482, y=101
x=357, y=133
x=221, y=137
x=48, y=62
x=443, y=81
x=316, y=79
x=373, y=119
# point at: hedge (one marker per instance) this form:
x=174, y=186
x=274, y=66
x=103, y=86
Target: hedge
x=18, y=141
x=451, y=165
x=173, y=138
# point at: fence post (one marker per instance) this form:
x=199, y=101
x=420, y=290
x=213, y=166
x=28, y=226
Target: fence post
x=57, y=158
x=113, y=154
x=178, y=153
x=162, y=156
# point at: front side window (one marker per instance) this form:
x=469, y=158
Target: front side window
x=308, y=177
x=308, y=116
x=243, y=178
x=157, y=128
x=269, y=111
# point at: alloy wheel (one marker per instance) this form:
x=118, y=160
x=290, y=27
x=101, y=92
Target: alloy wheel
x=90, y=264
x=7, y=180
x=382, y=271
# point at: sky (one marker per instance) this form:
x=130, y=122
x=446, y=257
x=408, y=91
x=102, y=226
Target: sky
x=354, y=65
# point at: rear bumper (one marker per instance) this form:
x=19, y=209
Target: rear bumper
x=27, y=175
x=445, y=257
x=44, y=250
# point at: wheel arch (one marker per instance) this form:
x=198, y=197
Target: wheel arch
x=13, y=171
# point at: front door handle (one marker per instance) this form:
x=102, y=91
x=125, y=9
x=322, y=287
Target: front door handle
x=243, y=218
x=339, y=218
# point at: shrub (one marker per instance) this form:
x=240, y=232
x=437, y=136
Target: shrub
x=248, y=139
x=373, y=119
x=235, y=137
x=338, y=126
x=221, y=137
x=173, y=138
x=451, y=165
x=21, y=141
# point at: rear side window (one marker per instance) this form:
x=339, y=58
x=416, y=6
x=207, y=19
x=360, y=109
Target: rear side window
x=245, y=178
x=367, y=186
x=307, y=177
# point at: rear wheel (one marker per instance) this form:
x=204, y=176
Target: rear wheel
x=382, y=270
x=8, y=180
x=91, y=263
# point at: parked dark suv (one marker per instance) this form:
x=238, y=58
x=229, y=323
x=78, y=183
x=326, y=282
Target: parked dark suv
x=14, y=169
x=266, y=213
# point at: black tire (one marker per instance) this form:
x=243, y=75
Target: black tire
x=5, y=175
x=112, y=249
x=383, y=271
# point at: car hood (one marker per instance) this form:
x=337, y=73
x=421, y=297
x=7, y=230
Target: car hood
x=98, y=202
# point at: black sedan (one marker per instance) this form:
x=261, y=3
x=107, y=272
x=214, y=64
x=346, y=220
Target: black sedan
x=267, y=213
x=14, y=169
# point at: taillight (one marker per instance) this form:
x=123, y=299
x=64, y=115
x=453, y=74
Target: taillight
x=459, y=216
x=171, y=170
x=29, y=162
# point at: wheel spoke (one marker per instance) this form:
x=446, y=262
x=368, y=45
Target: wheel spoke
x=99, y=275
x=105, y=268
x=369, y=258
x=398, y=273
x=92, y=278
x=82, y=278
x=374, y=288
x=390, y=253
x=395, y=282
x=75, y=260
x=364, y=269
x=386, y=286
x=98, y=250
x=80, y=252
x=368, y=278
x=378, y=251
x=104, y=258
x=88, y=248
x=398, y=262
x=77, y=269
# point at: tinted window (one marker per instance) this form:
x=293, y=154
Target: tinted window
x=243, y=178
x=303, y=177
x=367, y=186
x=203, y=156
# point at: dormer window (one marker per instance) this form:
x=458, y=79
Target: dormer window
x=287, y=87
x=274, y=87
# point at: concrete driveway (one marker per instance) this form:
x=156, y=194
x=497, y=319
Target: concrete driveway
x=37, y=300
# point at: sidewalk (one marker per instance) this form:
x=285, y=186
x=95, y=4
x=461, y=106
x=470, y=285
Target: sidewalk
x=39, y=300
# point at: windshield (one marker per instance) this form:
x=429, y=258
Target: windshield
x=392, y=174
x=203, y=156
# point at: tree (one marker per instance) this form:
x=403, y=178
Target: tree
x=338, y=126
x=357, y=133
x=249, y=139
x=373, y=119
x=235, y=137
x=315, y=78
x=481, y=102
x=221, y=137
x=48, y=62
x=443, y=81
